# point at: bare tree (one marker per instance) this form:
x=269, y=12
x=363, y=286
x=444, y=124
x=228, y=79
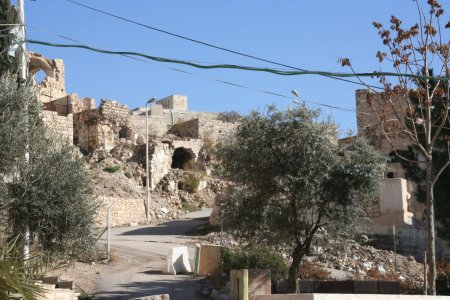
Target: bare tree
x=413, y=107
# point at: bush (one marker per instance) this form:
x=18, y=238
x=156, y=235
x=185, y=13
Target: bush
x=112, y=169
x=443, y=279
x=128, y=175
x=191, y=182
x=229, y=116
x=190, y=207
x=255, y=258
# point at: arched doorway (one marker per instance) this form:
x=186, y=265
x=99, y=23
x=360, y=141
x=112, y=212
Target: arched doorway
x=182, y=158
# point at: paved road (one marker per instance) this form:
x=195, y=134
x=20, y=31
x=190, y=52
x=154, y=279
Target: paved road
x=140, y=254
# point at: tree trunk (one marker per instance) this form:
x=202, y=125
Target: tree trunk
x=297, y=256
x=431, y=251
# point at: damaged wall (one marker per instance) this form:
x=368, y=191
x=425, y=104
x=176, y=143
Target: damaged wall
x=53, y=86
x=102, y=128
x=161, y=157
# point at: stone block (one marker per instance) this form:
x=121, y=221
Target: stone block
x=178, y=261
x=239, y=285
x=210, y=260
x=259, y=283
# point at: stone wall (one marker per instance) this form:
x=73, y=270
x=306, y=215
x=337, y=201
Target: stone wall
x=70, y=104
x=161, y=122
x=157, y=126
x=215, y=130
x=61, y=126
x=115, y=123
x=368, y=105
x=125, y=211
x=102, y=127
x=85, y=130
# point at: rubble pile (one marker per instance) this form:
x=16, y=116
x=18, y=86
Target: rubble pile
x=347, y=255
x=120, y=174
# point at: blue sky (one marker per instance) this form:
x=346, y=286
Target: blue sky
x=306, y=34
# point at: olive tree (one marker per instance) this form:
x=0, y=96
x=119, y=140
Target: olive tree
x=8, y=15
x=292, y=177
x=49, y=192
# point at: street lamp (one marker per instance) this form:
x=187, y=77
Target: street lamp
x=147, y=180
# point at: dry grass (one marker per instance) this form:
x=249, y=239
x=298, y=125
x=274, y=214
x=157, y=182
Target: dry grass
x=309, y=270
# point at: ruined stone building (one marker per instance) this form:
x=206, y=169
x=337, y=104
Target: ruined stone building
x=397, y=201
x=177, y=135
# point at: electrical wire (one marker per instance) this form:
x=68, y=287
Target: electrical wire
x=211, y=45
x=239, y=67
x=295, y=99
x=203, y=76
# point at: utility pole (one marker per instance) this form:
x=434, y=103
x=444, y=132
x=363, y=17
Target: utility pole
x=147, y=161
x=22, y=79
x=23, y=70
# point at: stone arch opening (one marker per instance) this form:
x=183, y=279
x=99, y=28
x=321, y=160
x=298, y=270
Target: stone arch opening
x=125, y=133
x=182, y=158
x=37, y=63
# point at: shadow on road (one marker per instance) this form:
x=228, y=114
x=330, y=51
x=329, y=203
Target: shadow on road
x=178, y=227
x=185, y=288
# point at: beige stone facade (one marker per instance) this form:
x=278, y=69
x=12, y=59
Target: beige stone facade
x=369, y=107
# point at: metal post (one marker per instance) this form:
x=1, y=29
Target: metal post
x=221, y=225
x=147, y=180
x=22, y=81
x=147, y=173
x=425, y=277
x=108, y=234
x=395, y=249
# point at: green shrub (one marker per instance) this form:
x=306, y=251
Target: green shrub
x=112, y=169
x=189, y=207
x=255, y=258
x=128, y=175
x=85, y=296
x=191, y=182
x=443, y=279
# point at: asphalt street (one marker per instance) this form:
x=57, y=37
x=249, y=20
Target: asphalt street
x=139, y=255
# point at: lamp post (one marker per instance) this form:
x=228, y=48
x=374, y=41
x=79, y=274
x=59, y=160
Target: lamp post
x=147, y=175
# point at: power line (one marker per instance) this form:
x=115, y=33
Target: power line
x=239, y=67
x=209, y=44
x=203, y=76
x=295, y=99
